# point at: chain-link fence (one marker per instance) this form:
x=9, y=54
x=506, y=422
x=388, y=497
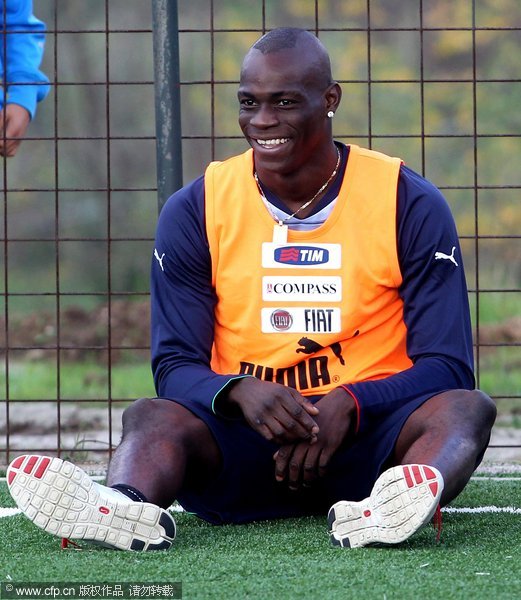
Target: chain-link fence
x=435, y=83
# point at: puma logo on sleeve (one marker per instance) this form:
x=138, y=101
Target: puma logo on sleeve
x=443, y=256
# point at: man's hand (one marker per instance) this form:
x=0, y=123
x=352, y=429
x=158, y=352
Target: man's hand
x=14, y=120
x=277, y=412
x=302, y=463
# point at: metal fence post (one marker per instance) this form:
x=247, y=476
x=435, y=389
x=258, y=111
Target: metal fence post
x=167, y=99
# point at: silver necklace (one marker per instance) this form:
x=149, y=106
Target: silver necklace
x=306, y=204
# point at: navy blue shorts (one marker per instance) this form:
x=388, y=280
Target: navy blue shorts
x=245, y=489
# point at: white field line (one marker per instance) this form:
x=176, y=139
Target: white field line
x=487, y=478
x=512, y=510
x=10, y=512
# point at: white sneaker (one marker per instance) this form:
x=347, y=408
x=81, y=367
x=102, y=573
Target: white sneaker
x=403, y=499
x=64, y=501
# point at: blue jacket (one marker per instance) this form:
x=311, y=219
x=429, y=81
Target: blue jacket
x=21, y=55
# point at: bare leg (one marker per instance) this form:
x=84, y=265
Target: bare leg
x=164, y=447
x=449, y=432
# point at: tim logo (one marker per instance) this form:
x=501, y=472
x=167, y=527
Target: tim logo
x=301, y=255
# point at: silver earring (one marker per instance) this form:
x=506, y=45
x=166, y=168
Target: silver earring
x=330, y=114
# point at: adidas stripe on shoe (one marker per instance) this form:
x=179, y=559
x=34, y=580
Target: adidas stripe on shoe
x=63, y=500
x=403, y=499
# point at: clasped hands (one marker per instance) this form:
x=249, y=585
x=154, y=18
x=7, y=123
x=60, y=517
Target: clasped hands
x=308, y=434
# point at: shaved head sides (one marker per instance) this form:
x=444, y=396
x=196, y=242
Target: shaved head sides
x=280, y=39
x=291, y=38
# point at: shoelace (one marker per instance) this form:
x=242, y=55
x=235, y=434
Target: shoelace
x=66, y=543
x=437, y=522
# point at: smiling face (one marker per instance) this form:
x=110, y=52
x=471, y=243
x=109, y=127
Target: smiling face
x=284, y=99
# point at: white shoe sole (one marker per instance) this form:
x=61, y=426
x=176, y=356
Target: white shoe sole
x=403, y=499
x=63, y=500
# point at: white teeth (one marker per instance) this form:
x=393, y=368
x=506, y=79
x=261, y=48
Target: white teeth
x=274, y=142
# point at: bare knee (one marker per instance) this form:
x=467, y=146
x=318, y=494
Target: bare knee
x=482, y=406
x=157, y=416
x=450, y=432
x=473, y=414
x=464, y=416
x=472, y=410
x=141, y=415
x=164, y=448
x=167, y=421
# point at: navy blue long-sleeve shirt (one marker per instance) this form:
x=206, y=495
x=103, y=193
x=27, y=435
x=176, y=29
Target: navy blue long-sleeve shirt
x=436, y=311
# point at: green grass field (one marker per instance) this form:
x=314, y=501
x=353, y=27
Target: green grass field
x=479, y=556
x=87, y=379
x=499, y=375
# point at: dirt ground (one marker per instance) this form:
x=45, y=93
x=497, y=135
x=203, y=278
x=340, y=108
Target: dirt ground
x=80, y=330
x=128, y=322
x=85, y=436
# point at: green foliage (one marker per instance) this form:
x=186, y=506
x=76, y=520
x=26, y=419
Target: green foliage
x=400, y=104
